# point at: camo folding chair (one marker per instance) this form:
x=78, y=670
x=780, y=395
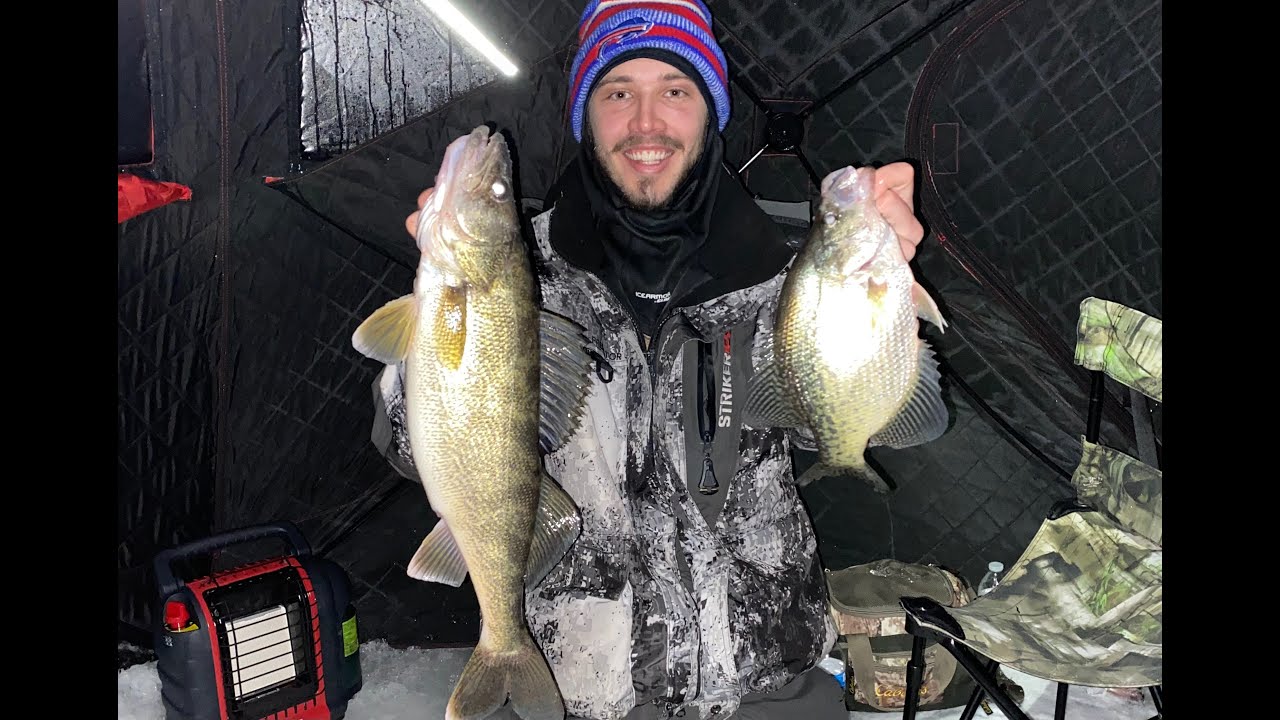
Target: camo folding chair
x=1083, y=605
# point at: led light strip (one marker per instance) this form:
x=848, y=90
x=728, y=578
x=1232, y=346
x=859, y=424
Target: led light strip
x=460, y=24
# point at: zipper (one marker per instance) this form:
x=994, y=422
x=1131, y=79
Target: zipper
x=222, y=509
x=649, y=351
x=706, y=400
x=889, y=611
x=692, y=671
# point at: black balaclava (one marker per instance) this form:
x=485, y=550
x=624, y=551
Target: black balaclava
x=646, y=252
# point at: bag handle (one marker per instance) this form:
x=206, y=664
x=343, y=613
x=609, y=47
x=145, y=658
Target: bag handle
x=860, y=658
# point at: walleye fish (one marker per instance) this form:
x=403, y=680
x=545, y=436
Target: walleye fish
x=848, y=365
x=482, y=396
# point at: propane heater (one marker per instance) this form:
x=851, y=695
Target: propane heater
x=271, y=639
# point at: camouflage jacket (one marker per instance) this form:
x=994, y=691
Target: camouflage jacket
x=669, y=595
x=672, y=595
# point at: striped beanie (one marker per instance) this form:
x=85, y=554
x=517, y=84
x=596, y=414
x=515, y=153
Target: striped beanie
x=610, y=28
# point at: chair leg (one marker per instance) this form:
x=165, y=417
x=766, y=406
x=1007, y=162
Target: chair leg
x=975, y=699
x=1060, y=708
x=967, y=659
x=915, y=677
x=987, y=681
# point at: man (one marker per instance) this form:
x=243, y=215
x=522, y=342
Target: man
x=695, y=589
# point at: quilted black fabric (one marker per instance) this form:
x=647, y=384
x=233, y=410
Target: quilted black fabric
x=174, y=375
x=811, y=58
x=1053, y=168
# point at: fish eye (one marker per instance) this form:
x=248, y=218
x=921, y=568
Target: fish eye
x=499, y=189
x=829, y=219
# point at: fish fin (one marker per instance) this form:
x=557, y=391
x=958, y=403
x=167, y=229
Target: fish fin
x=534, y=693
x=438, y=558
x=863, y=472
x=769, y=403
x=451, y=327
x=385, y=335
x=489, y=677
x=924, y=417
x=566, y=368
x=926, y=308
x=555, y=527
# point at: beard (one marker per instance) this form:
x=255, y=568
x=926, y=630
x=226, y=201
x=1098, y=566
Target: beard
x=646, y=196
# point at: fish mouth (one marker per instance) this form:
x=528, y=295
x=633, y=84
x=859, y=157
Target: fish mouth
x=481, y=160
x=848, y=194
x=472, y=164
x=469, y=162
x=845, y=188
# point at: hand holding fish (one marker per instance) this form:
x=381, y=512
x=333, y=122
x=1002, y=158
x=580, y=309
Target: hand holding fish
x=411, y=222
x=895, y=199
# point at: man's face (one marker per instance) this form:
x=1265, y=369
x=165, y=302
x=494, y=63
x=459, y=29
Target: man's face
x=648, y=120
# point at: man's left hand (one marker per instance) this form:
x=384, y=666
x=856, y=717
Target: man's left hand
x=895, y=191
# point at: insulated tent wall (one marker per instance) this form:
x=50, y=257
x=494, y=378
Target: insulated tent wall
x=305, y=129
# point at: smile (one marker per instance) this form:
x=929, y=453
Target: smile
x=648, y=157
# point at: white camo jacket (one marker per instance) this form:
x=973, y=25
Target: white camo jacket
x=670, y=595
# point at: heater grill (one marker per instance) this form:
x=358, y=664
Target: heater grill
x=261, y=650
x=266, y=641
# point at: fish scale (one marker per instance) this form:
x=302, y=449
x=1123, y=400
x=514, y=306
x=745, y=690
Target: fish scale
x=480, y=423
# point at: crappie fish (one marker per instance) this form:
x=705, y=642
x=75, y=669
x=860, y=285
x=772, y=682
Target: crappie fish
x=469, y=346
x=848, y=365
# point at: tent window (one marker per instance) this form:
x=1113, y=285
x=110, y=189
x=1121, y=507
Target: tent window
x=136, y=145
x=368, y=68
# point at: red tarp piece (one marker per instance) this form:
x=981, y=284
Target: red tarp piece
x=137, y=195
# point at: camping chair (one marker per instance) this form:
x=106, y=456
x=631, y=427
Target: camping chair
x=1083, y=605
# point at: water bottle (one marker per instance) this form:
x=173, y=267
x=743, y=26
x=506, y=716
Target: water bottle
x=989, y=581
x=834, y=666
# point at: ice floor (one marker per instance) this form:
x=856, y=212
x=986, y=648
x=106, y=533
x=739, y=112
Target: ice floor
x=414, y=684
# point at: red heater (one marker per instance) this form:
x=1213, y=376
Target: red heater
x=271, y=639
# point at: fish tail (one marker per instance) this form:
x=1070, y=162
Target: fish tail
x=868, y=474
x=534, y=694
x=815, y=471
x=858, y=469
x=490, y=677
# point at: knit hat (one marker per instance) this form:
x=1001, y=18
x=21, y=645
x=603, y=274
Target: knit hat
x=609, y=29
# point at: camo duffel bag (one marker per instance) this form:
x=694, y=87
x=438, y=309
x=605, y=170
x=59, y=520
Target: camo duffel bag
x=874, y=640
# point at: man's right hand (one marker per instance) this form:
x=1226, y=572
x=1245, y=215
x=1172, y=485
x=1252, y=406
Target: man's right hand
x=411, y=222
